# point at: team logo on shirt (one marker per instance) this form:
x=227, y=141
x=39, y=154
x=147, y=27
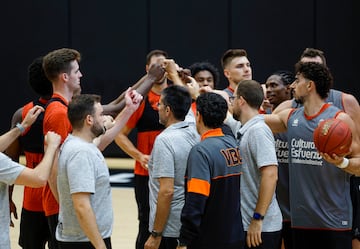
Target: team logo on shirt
x=232, y=156
x=295, y=122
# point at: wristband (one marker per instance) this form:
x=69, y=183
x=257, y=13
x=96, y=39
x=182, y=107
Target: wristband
x=156, y=234
x=345, y=162
x=20, y=127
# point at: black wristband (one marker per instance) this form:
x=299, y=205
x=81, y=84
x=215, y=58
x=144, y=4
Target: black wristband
x=156, y=234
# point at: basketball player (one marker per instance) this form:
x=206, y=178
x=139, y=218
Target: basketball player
x=318, y=187
x=350, y=105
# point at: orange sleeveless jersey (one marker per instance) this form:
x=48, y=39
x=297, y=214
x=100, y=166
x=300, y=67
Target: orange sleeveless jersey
x=32, y=199
x=145, y=140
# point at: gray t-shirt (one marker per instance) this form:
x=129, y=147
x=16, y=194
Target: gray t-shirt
x=82, y=168
x=168, y=159
x=9, y=171
x=257, y=148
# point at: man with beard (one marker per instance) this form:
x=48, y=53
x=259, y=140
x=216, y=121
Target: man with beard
x=85, y=217
x=349, y=104
x=319, y=184
x=62, y=68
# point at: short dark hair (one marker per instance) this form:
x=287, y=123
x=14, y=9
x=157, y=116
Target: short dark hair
x=37, y=79
x=59, y=61
x=230, y=54
x=79, y=107
x=319, y=73
x=205, y=66
x=213, y=109
x=178, y=99
x=312, y=53
x=252, y=92
x=155, y=52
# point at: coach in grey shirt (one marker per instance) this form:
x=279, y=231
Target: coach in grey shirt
x=167, y=166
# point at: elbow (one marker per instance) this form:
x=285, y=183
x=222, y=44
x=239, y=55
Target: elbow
x=274, y=176
x=101, y=148
x=43, y=181
x=40, y=182
x=271, y=173
x=167, y=193
x=119, y=139
x=170, y=193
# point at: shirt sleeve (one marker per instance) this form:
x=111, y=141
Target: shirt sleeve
x=81, y=173
x=163, y=158
x=263, y=147
x=55, y=119
x=9, y=170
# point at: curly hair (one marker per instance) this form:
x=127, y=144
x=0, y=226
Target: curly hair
x=37, y=79
x=205, y=66
x=319, y=74
x=213, y=108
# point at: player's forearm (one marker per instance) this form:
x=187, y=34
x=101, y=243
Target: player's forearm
x=127, y=146
x=267, y=189
x=47, y=168
x=120, y=122
x=142, y=86
x=8, y=138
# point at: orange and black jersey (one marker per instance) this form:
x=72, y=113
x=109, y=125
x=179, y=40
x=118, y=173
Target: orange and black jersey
x=32, y=143
x=211, y=216
x=146, y=120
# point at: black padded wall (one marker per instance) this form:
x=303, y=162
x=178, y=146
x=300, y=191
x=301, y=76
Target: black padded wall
x=115, y=36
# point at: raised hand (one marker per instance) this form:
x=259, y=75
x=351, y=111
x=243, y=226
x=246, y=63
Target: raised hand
x=31, y=116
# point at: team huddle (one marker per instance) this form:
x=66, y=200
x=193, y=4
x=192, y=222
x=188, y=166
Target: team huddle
x=233, y=168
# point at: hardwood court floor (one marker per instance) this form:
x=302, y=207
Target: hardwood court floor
x=124, y=208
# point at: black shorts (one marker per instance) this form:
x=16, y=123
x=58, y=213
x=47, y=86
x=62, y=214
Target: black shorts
x=34, y=230
x=355, y=198
x=286, y=234
x=269, y=240
x=315, y=239
x=82, y=245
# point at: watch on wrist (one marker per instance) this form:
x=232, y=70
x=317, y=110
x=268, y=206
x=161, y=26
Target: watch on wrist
x=156, y=234
x=179, y=243
x=20, y=127
x=258, y=216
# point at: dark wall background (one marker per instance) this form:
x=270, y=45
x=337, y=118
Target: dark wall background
x=115, y=36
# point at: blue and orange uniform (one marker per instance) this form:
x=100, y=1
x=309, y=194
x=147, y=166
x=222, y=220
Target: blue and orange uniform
x=211, y=216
